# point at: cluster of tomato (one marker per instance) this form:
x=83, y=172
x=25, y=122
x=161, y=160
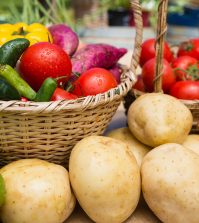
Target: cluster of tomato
x=43, y=60
x=180, y=77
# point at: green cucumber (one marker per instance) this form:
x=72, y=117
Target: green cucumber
x=14, y=79
x=7, y=91
x=11, y=51
x=46, y=90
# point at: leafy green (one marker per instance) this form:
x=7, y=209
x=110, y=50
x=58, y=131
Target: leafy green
x=53, y=12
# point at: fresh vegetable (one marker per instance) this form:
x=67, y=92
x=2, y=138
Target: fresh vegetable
x=186, y=68
x=139, y=84
x=156, y=118
x=2, y=191
x=94, y=81
x=148, y=51
x=138, y=149
x=170, y=183
x=192, y=143
x=61, y=94
x=46, y=90
x=7, y=91
x=34, y=32
x=36, y=191
x=24, y=99
x=96, y=55
x=65, y=37
x=105, y=178
x=14, y=79
x=43, y=60
x=187, y=90
x=11, y=51
x=189, y=48
x=116, y=70
x=148, y=75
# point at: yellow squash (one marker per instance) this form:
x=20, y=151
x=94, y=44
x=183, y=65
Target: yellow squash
x=34, y=32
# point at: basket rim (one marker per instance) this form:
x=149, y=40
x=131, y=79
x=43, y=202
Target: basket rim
x=128, y=78
x=138, y=93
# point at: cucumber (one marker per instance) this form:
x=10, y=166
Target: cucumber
x=11, y=51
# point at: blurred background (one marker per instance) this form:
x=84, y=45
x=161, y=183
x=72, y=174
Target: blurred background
x=105, y=20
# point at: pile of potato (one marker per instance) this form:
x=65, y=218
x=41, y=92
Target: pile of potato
x=154, y=158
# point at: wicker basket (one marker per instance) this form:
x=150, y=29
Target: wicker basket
x=193, y=105
x=49, y=130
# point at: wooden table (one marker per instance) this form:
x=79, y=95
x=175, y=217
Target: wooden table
x=142, y=214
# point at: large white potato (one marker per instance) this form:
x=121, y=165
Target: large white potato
x=156, y=119
x=192, y=143
x=124, y=134
x=170, y=183
x=105, y=178
x=36, y=192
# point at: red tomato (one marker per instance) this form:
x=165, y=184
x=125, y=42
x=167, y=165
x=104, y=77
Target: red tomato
x=187, y=90
x=94, y=81
x=61, y=94
x=148, y=75
x=148, y=51
x=43, y=60
x=139, y=84
x=189, y=48
x=24, y=99
x=185, y=68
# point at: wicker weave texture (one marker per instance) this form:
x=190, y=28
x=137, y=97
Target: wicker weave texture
x=49, y=130
x=193, y=105
x=50, y=136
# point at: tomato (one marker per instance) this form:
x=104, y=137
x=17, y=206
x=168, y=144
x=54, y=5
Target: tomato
x=61, y=94
x=43, y=60
x=148, y=75
x=24, y=99
x=186, y=68
x=148, y=51
x=189, y=48
x=139, y=84
x=94, y=81
x=187, y=90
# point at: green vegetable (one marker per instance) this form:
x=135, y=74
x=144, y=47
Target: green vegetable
x=11, y=51
x=14, y=79
x=46, y=90
x=7, y=91
x=2, y=191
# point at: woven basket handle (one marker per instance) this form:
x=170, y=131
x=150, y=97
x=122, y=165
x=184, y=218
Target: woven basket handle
x=137, y=12
x=161, y=31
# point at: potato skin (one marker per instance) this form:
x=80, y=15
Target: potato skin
x=36, y=191
x=156, y=119
x=170, y=183
x=192, y=143
x=105, y=178
x=124, y=134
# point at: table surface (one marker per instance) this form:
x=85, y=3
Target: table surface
x=142, y=214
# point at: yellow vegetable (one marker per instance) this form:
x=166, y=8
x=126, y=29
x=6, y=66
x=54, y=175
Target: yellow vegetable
x=105, y=178
x=36, y=192
x=170, y=183
x=34, y=32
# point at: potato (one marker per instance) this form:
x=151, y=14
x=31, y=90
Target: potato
x=156, y=119
x=36, y=191
x=192, y=143
x=124, y=134
x=170, y=183
x=105, y=178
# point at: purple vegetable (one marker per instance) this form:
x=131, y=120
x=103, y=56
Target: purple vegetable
x=96, y=55
x=65, y=37
x=116, y=71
